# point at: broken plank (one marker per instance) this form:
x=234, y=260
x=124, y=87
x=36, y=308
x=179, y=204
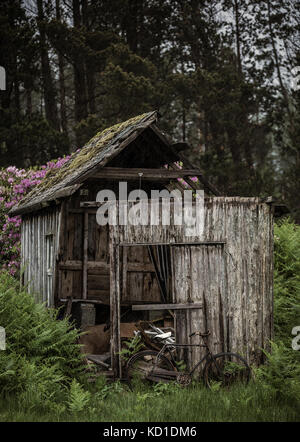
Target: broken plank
x=99, y=359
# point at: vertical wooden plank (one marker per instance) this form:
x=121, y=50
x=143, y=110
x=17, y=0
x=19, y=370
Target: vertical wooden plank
x=124, y=272
x=115, y=341
x=85, y=254
x=61, y=213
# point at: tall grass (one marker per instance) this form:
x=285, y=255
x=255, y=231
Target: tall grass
x=194, y=404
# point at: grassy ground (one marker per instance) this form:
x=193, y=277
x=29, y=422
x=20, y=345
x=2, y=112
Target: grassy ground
x=168, y=404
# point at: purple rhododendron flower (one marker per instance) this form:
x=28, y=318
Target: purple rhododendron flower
x=14, y=184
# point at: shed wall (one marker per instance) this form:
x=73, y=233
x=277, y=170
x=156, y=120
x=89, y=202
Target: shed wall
x=236, y=285
x=34, y=230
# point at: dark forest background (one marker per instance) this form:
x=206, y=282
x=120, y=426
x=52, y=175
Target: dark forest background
x=222, y=74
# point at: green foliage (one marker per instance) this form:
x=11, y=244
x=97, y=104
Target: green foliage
x=281, y=373
x=193, y=404
x=133, y=346
x=215, y=385
x=162, y=388
x=286, y=279
x=107, y=390
x=180, y=365
x=41, y=356
x=78, y=397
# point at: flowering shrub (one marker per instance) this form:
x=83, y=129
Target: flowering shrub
x=14, y=184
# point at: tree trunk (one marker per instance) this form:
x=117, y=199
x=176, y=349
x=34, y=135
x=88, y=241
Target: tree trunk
x=17, y=98
x=238, y=37
x=79, y=74
x=62, y=88
x=48, y=85
x=89, y=65
x=276, y=59
x=131, y=25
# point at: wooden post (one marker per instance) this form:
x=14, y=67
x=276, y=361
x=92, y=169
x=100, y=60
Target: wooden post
x=115, y=341
x=124, y=273
x=85, y=254
x=60, y=252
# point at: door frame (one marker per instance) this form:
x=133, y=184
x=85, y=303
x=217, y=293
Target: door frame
x=116, y=278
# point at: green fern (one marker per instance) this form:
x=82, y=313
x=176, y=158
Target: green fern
x=133, y=346
x=78, y=397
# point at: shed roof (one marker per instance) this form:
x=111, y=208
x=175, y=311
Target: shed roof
x=96, y=153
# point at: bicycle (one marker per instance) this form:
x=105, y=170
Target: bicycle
x=224, y=368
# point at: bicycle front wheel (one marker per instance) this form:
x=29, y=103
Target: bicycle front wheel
x=226, y=369
x=144, y=366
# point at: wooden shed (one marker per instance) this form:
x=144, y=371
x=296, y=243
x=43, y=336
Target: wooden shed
x=221, y=280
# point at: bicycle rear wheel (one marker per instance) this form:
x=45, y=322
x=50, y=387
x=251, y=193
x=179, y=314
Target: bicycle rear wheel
x=226, y=369
x=144, y=366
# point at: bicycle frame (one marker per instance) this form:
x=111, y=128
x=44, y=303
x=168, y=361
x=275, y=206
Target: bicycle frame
x=167, y=348
x=209, y=357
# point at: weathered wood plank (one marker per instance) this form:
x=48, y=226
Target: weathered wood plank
x=77, y=265
x=166, y=306
x=85, y=255
x=147, y=174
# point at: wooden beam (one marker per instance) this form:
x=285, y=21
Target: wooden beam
x=166, y=306
x=174, y=244
x=181, y=157
x=101, y=265
x=86, y=301
x=127, y=303
x=191, y=183
x=164, y=174
x=207, y=185
x=91, y=211
x=85, y=255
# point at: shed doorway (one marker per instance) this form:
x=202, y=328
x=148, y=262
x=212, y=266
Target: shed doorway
x=186, y=274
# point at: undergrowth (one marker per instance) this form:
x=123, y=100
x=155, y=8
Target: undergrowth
x=281, y=373
x=41, y=357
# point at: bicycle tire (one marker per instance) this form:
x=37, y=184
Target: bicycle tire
x=227, y=375
x=142, y=356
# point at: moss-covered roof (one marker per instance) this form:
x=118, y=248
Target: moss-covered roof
x=104, y=146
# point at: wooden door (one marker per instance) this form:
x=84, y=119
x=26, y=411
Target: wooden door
x=199, y=276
